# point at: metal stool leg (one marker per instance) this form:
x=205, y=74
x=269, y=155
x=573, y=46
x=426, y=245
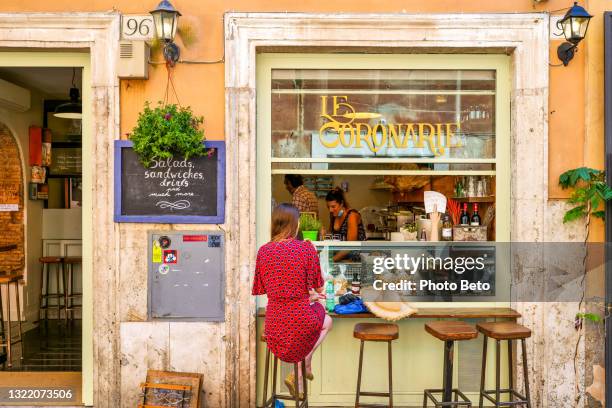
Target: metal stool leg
x=389, y=356
x=265, y=392
x=65, y=287
x=359, y=375
x=497, y=371
x=57, y=290
x=305, y=383
x=9, y=336
x=510, y=373
x=274, y=371
x=19, y=318
x=483, y=371
x=526, y=373
x=447, y=382
x=297, y=385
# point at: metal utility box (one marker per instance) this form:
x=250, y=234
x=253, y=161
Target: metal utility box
x=186, y=275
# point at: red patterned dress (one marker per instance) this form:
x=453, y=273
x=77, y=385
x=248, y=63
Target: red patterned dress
x=286, y=271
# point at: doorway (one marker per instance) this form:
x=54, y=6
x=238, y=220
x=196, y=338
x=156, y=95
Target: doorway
x=50, y=139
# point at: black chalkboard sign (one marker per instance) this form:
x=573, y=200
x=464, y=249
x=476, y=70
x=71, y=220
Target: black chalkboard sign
x=171, y=190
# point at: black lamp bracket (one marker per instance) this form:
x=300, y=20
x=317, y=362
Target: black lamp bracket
x=566, y=52
x=172, y=53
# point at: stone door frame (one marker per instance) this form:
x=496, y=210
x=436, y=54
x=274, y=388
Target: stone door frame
x=522, y=36
x=98, y=35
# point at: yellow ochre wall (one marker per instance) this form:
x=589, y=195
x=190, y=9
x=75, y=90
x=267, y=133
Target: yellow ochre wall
x=202, y=86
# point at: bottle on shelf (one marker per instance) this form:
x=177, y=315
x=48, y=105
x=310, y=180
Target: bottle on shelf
x=330, y=301
x=464, y=219
x=423, y=236
x=475, y=221
x=447, y=229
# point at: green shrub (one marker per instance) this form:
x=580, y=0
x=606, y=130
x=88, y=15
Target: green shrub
x=167, y=131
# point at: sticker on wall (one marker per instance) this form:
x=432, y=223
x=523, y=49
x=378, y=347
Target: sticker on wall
x=165, y=241
x=214, y=241
x=163, y=269
x=195, y=238
x=157, y=253
x=170, y=256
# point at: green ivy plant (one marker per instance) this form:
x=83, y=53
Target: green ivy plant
x=166, y=131
x=590, y=192
x=589, y=195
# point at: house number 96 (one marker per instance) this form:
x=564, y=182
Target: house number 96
x=137, y=27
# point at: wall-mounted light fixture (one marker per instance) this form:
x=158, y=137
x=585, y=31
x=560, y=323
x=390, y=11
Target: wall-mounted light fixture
x=574, y=26
x=165, y=17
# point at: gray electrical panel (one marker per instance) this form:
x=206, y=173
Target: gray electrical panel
x=186, y=275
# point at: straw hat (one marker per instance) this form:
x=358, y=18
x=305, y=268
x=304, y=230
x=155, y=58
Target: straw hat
x=387, y=305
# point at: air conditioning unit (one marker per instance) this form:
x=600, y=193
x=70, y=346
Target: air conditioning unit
x=133, y=60
x=14, y=97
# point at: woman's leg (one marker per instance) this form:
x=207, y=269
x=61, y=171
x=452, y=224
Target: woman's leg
x=327, y=326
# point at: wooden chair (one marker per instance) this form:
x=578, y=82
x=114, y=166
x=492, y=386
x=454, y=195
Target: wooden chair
x=377, y=332
x=508, y=331
x=449, y=332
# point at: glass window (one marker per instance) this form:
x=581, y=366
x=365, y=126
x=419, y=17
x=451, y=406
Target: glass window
x=385, y=129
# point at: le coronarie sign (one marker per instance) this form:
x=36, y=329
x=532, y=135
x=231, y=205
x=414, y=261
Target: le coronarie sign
x=341, y=127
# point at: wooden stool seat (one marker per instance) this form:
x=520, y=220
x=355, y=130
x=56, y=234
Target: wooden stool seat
x=10, y=278
x=504, y=330
x=50, y=259
x=451, y=330
x=376, y=331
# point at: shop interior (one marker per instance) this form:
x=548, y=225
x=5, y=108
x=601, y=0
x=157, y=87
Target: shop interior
x=40, y=112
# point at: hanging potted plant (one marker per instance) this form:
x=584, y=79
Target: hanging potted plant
x=309, y=226
x=166, y=131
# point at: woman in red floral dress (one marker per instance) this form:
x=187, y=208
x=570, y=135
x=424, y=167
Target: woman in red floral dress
x=288, y=271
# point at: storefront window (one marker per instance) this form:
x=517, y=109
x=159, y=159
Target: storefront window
x=385, y=129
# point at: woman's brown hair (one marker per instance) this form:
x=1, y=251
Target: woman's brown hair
x=285, y=221
x=337, y=194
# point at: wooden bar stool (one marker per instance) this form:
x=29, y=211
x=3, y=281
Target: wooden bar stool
x=6, y=340
x=68, y=278
x=379, y=332
x=504, y=331
x=300, y=401
x=449, y=332
x=48, y=264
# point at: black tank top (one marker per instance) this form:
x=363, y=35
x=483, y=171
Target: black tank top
x=343, y=230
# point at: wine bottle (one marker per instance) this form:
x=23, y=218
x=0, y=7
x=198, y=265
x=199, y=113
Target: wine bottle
x=475, y=221
x=447, y=229
x=465, y=218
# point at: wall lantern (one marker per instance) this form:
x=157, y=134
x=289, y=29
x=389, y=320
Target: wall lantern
x=165, y=17
x=574, y=26
x=72, y=109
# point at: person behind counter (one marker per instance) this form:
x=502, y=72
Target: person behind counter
x=344, y=221
x=302, y=198
x=287, y=270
